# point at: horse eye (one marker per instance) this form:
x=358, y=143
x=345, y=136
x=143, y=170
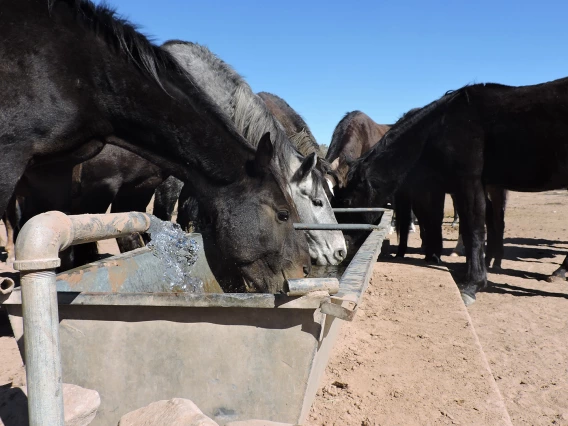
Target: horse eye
x=283, y=215
x=317, y=202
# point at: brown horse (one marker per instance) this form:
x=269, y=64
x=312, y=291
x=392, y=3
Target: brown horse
x=355, y=135
x=295, y=126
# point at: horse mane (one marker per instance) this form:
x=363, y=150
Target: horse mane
x=246, y=110
x=335, y=147
x=300, y=135
x=416, y=114
x=155, y=63
x=123, y=35
x=387, y=147
x=304, y=142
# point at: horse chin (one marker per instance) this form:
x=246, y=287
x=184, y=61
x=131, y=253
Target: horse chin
x=258, y=280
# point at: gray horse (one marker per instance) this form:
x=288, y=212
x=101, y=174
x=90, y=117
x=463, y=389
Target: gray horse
x=252, y=118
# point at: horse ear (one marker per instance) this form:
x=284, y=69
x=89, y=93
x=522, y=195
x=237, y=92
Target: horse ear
x=264, y=153
x=335, y=164
x=307, y=166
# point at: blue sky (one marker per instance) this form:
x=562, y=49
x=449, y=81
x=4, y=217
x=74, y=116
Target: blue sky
x=326, y=58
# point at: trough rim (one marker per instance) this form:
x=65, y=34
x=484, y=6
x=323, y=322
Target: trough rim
x=352, y=285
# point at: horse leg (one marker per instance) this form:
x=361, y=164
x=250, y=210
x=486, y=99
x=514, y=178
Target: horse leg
x=11, y=222
x=560, y=273
x=412, y=227
x=429, y=208
x=165, y=198
x=456, y=216
x=491, y=231
x=471, y=207
x=403, y=207
x=188, y=209
x=459, y=250
x=498, y=198
x=130, y=200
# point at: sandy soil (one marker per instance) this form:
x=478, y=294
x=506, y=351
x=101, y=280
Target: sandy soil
x=521, y=325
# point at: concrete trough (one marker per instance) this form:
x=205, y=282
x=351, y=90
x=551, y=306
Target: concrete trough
x=237, y=356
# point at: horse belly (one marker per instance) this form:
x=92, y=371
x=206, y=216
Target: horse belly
x=539, y=167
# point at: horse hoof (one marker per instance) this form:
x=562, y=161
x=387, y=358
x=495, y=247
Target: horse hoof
x=467, y=299
x=433, y=259
x=555, y=278
x=496, y=267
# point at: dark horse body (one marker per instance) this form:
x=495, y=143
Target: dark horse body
x=74, y=76
x=476, y=136
x=354, y=136
x=114, y=176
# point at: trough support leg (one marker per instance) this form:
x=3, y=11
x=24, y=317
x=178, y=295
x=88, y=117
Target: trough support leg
x=42, y=350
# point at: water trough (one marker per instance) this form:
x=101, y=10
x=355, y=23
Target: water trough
x=117, y=329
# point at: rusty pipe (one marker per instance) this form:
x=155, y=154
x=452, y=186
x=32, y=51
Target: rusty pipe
x=37, y=255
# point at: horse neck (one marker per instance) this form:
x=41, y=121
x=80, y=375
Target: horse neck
x=238, y=102
x=181, y=126
x=228, y=90
x=390, y=160
x=341, y=137
x=376, y=132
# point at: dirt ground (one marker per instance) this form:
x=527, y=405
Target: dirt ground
x=521, y=325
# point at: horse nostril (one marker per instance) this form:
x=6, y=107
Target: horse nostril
x=307, y=269
x=340, y=254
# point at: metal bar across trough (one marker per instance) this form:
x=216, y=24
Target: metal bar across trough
x=360, y=210
x=335, y=226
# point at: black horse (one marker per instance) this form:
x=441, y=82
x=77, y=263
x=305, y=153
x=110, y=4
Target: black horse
x=479, y=135
x=75, y=76
x=428, y=205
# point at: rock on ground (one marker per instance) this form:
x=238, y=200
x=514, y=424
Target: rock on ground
x=176, y=411
x=80, y=405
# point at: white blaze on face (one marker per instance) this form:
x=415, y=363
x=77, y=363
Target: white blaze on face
x=325, y=247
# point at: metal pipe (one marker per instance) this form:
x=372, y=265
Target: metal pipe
x=37, y=248
x=360, y=210
x=6, y=285
x=302, y=286
x=335, y=226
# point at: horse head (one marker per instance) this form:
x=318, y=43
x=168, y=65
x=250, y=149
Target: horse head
x=307, y=188
x=253, y=229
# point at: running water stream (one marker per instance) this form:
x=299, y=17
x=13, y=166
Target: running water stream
x=178, y=252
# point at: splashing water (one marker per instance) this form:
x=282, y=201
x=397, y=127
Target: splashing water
x=178, y=252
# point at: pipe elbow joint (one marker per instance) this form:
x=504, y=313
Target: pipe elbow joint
x=40, y=241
